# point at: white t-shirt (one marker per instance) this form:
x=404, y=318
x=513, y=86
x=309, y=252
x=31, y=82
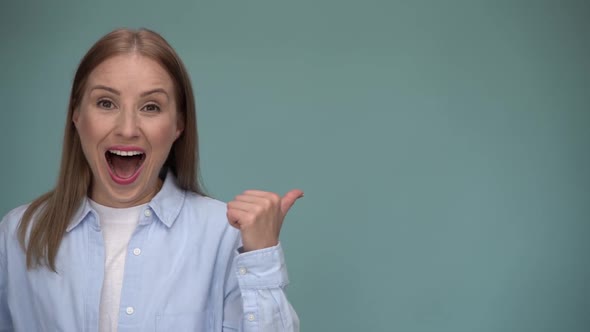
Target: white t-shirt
x=117, y=226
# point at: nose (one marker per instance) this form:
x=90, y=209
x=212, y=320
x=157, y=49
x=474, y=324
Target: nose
x=127, y=125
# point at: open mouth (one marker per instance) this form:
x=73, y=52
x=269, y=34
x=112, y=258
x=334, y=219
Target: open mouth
x=124, y=166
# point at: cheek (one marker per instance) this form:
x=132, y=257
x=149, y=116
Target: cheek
x=167, y=132
x=165, y=136
x=89, y=131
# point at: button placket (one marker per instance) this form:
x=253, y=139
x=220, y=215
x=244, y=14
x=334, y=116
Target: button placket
x=130, y=290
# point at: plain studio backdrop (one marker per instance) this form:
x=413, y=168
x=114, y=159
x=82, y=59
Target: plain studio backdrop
x=443, y=146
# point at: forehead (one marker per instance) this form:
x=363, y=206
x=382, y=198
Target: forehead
x=131, y=73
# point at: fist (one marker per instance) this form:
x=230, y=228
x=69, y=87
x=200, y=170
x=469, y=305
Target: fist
x=259, y=216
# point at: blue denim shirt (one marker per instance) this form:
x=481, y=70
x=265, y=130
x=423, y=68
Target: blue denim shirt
x=183, y=272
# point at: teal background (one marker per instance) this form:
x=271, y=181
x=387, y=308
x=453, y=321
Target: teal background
x=443, y=146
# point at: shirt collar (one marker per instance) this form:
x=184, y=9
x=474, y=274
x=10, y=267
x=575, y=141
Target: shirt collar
x=80, y=214
x=168, y=201
x=166, y=204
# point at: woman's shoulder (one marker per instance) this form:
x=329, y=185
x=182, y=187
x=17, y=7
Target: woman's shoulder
x=206, y=203
x=9, y=228
x=173, y=197
x=210, y=211
x=11, y=220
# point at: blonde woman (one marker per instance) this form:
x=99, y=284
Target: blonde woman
x=127, y=240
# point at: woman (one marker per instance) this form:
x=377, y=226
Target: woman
x=127, y=240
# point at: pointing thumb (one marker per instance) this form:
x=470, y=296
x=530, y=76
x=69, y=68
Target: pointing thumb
x=289, y=199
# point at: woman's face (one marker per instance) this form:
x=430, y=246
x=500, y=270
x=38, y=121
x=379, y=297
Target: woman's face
x=127, y=122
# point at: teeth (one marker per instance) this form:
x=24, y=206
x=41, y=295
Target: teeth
x=125, y=153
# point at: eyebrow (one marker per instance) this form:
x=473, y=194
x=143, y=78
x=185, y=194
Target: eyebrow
x=114, y=91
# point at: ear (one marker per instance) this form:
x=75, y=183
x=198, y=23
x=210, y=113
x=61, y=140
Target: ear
x=75, y=116
x=178, y=133
x=179, y=126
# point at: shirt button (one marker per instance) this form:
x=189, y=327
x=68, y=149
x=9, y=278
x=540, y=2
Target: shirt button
x=147, y=213
x=243, y=271
x=251, y=317
x=137, y=251
x=129, y=310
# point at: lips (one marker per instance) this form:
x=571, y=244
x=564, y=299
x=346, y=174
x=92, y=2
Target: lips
x=125, y=163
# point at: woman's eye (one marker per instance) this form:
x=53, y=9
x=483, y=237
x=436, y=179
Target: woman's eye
x=151, y=108
x=106, y=104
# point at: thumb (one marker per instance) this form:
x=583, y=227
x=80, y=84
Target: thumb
x=289, y=199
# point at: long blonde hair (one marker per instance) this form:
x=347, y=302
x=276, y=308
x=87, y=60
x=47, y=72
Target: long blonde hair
x=54, y=210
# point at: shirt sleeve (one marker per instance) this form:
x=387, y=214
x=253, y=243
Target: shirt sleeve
x=5, y=319
x=257, y=302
